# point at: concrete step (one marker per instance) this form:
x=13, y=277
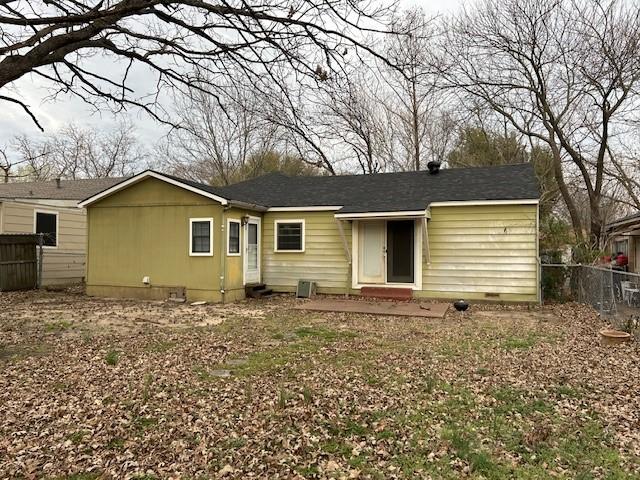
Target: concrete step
x=387, y=292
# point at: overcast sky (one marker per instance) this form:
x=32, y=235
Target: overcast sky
x=53, y=114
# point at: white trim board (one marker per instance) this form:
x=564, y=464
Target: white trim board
x=275, y=234
x=245, y=258
x=239, y=222
x=406, y=214
x=475, y=203
x=149, y=174
x=417, y=258
x=305, y=209
x=201, y=254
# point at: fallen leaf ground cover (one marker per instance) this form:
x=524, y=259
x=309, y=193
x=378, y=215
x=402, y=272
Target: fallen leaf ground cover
x=93, y=388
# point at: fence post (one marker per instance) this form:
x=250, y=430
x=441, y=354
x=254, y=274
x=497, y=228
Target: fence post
x=40, y=259
x=602, y=280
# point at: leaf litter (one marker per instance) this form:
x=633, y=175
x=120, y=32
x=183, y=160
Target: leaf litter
x=499, y=393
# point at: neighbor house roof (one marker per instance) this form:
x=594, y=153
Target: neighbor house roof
x=381, y=192
x=49, y=190
x=385, y=192
x=632, y=220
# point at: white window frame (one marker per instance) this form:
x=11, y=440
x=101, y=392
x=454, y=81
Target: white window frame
x=35, y=223
x=275, y=234
x=201, y=254
x=418, y=238
x=229, y=222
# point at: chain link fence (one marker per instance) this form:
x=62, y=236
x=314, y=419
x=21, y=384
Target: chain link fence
x=615, y=294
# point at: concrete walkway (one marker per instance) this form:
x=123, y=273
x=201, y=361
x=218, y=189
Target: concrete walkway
x=403, y=309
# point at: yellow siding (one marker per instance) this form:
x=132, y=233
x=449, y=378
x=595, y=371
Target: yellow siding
x=323, y=261
x=66, y=263
x=476, y=252
x=144, y=231
x=480, y=250
x=234, y=277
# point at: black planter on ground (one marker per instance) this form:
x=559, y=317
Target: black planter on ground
x=461, y=305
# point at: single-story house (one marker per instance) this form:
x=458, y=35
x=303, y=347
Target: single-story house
x=469, y=232
x=50, y=208
x=623, y=235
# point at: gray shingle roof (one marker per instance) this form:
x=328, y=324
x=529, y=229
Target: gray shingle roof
x=382, y=192
x=68, y=190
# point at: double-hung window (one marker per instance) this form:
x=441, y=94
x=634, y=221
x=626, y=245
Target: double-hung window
x=233, y=240
x=201, y=237
x=46, y=223
x=289, y=235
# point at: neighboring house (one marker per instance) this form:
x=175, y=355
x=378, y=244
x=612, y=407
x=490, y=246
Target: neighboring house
x=51, y=208
x=470, y=233
x=623, y=235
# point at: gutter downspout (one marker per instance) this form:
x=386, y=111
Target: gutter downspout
x=223, y=251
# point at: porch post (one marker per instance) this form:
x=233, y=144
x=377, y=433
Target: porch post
x=347, y=254
x=426, y=251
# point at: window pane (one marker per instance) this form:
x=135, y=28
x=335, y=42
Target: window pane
x=200, y=237
x=234, y=237
x=621, y=246
x=46, y=224
x=289, y=236
x=253, y=234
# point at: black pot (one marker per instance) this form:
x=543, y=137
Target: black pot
x=461, y=305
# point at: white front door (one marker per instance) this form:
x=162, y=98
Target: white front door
x=371, y=254
x=252, y=251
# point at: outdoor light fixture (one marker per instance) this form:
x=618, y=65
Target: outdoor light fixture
x=244, y=220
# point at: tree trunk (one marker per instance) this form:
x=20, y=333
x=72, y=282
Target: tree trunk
x=595, y=233
x=576, y=222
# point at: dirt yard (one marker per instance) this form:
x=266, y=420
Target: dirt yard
x=122, y=389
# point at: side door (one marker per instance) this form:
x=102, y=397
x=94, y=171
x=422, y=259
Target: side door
x=251, y=265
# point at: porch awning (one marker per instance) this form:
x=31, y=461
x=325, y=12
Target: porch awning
x=423, y=215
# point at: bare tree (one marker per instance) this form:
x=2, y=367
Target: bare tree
x=8, y=165
x=74, y=152
x=353, y=115
x=624, y=170
x=216, y=138
x=411, y=99
x=31, y=152
x=295, y=112
x=563, y=72
x=182, y=42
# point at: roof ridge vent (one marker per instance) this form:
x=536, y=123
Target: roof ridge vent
x=434, y=167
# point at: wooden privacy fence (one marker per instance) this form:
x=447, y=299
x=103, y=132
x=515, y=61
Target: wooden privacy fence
x=19, y=261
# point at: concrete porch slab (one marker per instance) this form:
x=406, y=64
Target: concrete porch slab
x=401, y=309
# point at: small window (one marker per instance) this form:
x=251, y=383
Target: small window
x=200, y=237
x=289, y=236
x=233, y=243
x=47, y=224
x=621, y=246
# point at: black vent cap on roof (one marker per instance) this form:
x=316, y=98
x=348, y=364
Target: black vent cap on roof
x=433, y=166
